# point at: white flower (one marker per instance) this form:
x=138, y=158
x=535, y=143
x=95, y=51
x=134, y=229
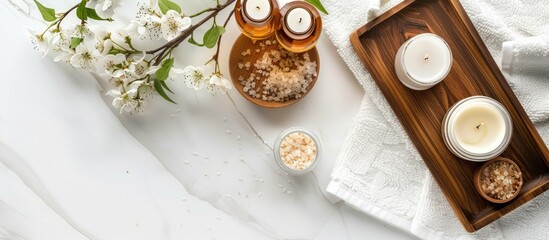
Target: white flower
x=41, y=42
x=104, y=47
x=218, y=83
x=84, y=58
x=146, y=24
x=145, y=89
x=195, y=77
x=81, y=31
x=103, y=8
x=125, y=101
x=172, y=24
x=118, y=83
x=120, y=36
x=140, y=69
x=135, y=66
x=64, y=56
x=110, y=65
x=122, y=69
x=102, y=41
x=57, y=42
x=60, y=41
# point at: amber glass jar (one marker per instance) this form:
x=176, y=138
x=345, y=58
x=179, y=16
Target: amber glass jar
x=255, y=27
x=292, y=34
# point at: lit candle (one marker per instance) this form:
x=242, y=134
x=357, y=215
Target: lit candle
x=423, y=61
x=257, y=10
x=300, y=27
x=299, y=21
x=257, y=19
x=477, y=128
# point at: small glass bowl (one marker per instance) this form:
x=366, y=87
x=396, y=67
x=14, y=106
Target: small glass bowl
x=278, y=142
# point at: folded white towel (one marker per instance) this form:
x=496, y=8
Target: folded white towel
x=526, y=55
x=379, y=170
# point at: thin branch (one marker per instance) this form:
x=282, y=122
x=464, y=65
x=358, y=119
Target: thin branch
x=216, y=55
x=65, y=15
x=203, y=11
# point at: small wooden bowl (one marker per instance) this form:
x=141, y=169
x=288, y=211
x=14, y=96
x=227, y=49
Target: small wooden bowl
x=242, y=44
x=478, y=186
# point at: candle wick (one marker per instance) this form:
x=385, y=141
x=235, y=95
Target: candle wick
x=481, y=124
x=258, y=8
x=300, y=20
x=426, y=57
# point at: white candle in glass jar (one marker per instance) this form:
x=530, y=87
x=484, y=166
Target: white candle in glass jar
x=299, y=20
x=477, y=128
x=423, y=61
x=257, y=10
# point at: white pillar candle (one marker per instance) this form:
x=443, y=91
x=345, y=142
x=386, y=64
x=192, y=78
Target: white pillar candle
x=477, y=128
x=299, y=20
x=257, y=10
x=423, y=61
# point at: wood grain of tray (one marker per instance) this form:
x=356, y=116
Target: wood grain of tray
x=473, y=72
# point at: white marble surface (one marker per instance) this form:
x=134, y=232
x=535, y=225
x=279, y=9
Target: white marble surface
x=73, y=168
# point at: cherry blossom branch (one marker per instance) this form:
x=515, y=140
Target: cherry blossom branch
x=216, y=55
x=57, y=22
x=185, y=34
x=65, y=15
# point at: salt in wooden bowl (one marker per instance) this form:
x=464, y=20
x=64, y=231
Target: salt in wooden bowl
x=242, y=44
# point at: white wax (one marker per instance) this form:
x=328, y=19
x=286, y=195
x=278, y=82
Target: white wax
x=423, y=61
x=299, y=20
x=479, y=127
x=257, y=10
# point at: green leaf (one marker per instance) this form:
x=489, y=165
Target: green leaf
x=115, y=51
x=212, y=35
x=160, y=90
x=318, y=5
x=164, y=72
x=81, y=11
x=48, y=14
x=166, y=86
x=166, y=5
x=194, y=42
x=75, y=42
x=91, y=13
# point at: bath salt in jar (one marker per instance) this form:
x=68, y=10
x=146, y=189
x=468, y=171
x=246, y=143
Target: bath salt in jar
x=297, y=150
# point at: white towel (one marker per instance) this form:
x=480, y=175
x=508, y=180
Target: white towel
x=379, y=170
x=528, y=55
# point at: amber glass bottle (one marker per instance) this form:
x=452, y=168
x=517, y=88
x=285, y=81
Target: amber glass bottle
x=292, y=19
x=254, y=27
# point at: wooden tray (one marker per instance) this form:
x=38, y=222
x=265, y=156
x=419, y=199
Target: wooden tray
x=474, y=72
